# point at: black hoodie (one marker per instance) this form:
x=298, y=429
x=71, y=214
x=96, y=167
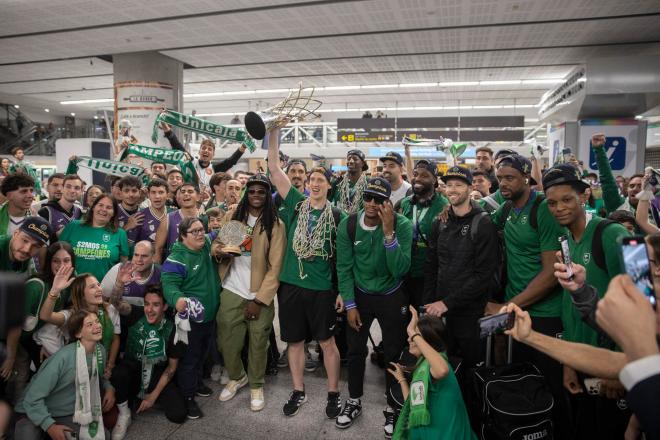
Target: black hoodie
x=459, y=270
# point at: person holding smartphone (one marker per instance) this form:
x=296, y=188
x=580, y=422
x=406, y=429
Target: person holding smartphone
x=373, y=257
x=593, y=245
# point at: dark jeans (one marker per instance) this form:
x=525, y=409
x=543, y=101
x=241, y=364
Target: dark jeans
x=191, y=365
x=126, y=378
x=463, y=340
x=392, y=314
x=551, y=370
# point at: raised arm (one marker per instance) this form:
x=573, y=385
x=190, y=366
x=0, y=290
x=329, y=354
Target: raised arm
x=277, y=175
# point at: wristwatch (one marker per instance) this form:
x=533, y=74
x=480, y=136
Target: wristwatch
x=390, y=237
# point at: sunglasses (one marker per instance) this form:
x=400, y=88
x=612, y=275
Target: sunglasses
x=260, y=192
x=377, y=200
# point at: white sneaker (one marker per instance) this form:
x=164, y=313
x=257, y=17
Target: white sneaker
x=257, y=401
x=231, y=388
x=123, y=422
x=216, y=372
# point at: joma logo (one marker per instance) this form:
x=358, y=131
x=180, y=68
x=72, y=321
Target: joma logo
x=535, y=435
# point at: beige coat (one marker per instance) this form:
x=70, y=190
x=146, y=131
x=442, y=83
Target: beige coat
x=267, y=259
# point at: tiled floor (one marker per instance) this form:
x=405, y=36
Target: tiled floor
x=234, y=420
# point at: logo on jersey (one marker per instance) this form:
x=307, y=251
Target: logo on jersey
x=465, y=229
x=106, y=238
x=523, y=220
x=586, y=258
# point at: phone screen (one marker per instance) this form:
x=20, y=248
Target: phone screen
x=494, y=323
x=637, y=266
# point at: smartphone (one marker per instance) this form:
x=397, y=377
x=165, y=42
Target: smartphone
x=636, y=264
x=494, y=323
x=566, y=256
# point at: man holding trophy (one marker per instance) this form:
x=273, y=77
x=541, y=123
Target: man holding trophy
x=250, y=248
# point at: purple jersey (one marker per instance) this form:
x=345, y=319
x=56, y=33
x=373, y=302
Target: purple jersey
x=173, y=220
x=136, y=290
x=59, y=218
x=123, y=219
x=150, y=224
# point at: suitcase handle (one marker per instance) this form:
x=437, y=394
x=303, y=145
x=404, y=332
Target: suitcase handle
x=489, y=350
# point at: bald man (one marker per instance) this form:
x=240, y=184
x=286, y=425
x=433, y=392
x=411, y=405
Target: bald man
x=127, y=282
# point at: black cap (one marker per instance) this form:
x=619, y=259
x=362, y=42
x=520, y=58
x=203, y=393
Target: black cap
x=503, y=152
x=457, y=172
x=37, y=228
x=518, y=162
x=563, y=174
x=362, y=157
x=378, y=187
x=392, y=155
x=259, y=178
x=430, y=165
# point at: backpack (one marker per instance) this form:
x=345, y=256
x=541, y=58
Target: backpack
x=597, y=251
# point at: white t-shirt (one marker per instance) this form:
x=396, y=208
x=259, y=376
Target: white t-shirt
x=400, y=193
x=52, y=337
x=238, y=278
x=14, y=223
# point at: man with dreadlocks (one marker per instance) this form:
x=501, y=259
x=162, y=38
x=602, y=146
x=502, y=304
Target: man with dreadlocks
x=306, y=299
x=250, y=282
x=347, y=192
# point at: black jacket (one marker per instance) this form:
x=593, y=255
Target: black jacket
x=223, y=166
x=460, y=270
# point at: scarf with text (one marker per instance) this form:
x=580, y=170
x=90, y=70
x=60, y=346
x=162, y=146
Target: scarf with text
x=165, y=155
x=106, y=166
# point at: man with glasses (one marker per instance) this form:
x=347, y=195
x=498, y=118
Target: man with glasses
x=373, y=258
x=189, y=273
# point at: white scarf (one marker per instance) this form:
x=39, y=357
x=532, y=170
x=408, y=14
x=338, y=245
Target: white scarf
x=182, y=327
x=88, y=412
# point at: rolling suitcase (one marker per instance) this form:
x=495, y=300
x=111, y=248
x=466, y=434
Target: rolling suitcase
x=511, y=401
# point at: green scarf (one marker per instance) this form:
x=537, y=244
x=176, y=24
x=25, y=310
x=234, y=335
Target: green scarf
x=27, y=168
x=105, y=166
x=415, y=411
x=147, y=344
x=108, y=329
x=172, y=157
x=202, y=126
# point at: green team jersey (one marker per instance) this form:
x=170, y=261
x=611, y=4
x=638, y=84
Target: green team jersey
x=367, y=263
x=6, y=264
x=575, y=330
x=491, y=202
x=316, y=271
x=187, y=273
x=524, y=246
x=422, y=220
x=96, y=249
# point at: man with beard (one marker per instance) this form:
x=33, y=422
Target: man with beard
x=491, y=202
x=421, y=209
x=463, y=254
x=373, y=257
x=60, y=212
x=167, y=233
x=203, y=165
x=153, y=214
x=594, y=247
x=530, y=240
x=393, y=172
x=296, y=171
x=232, y=194
x=306, y=299
x=54, y=187
x=128, y=216
x=18, y=188
x=347, y=192
x=484, y=162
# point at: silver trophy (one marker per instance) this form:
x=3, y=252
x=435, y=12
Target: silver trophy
x=232, y=234
x=440, y=144
x=299, y=105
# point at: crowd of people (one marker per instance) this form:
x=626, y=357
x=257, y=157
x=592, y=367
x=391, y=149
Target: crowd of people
x=134, y=295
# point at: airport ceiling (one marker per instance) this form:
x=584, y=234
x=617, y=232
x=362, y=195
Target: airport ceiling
x=60, y=50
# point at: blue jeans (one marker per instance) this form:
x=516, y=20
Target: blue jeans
x=191, y=365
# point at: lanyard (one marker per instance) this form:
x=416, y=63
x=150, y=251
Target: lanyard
x=417, y=219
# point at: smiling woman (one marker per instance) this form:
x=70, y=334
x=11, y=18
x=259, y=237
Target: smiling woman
x=96, y=240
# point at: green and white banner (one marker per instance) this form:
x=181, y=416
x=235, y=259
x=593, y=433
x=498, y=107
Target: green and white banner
x=202, y=126
x=165, y=155
x=105, y=166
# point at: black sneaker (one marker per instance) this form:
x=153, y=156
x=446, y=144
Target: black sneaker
x=333, y=405
x=390, y=422
x=296, y=399
x=204, y=391
x=352, y=410
x=193, y=410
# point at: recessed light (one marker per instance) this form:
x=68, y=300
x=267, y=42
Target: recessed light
x=17, y=106
x=46, y=110
x=96, y=117
x=73, y=114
